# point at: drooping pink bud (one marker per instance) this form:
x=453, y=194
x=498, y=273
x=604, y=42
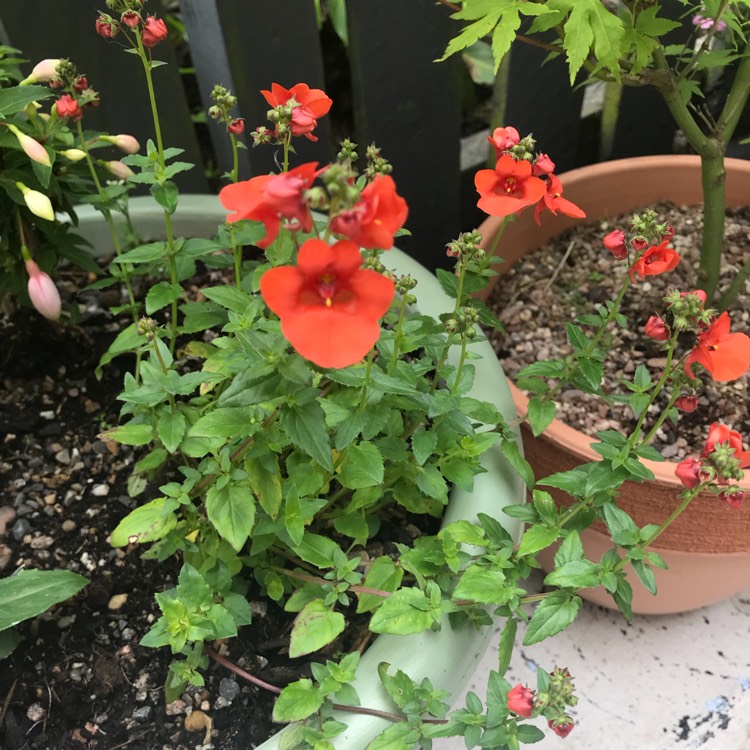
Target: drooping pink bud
x=126, y=143
x=81, y=83
x=563, y=729
x=688, y=404
x=33, y=149
x=615, y=243
x=689, y=472
x=521, y=701
x=42, y=291
x=154, y=31
x=639, y=243
x=236, y=126
x=657, y=329
x=130, y=18
x=107, y=27
x=734, y=497
x=542, y=165
x=118, y=169
x=43, y=71
x=668, y=234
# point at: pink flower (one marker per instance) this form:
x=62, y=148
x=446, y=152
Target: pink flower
x=542, y=165
x=67, y=106
x=733, y=497
x=657, y=329
x=615, y=243
x=126, y=143
x=130, y=18
x=154, y=31
x=521, y=701
x=236, y=126
x=503, y=139
x=689, y=472
x=688, y=404
x=43, y=292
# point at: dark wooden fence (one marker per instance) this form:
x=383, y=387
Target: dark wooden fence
x=387, y=81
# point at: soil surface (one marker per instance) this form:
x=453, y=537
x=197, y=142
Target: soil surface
x=572, y=275
x=79, y=679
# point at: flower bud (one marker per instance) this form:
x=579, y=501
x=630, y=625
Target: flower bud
x=639, y=243
x=542, y=165
x=118, y=169
x=43, y=292
x=43, y=71
x=67, y=106
x=657, y=329
x=130, y=18
x=615, y=243
x=126, y=143
x=154, y=31
x=521, y=701
x=668, y=233
x=734, y=497
x=562, y=729
x=80, y=83
x=38, y=203
x=236, y=126
x=214, y=112
x=689, y=472
x=504, y=138
x=688, y=404
x=33, y=149
x=107, y=27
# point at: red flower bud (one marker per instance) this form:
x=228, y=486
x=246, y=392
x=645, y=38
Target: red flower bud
x=154, y=31
x=563, y=729
x=669, y=233
x=504, y=138
x=106, y=27
x=733, y=497
x=689, y=472
x=67, y=106
x=639, y=244
x=236, y=126
x=130, y=18
x=615, y=243
x=688, y=404
x=542, y=165
x=699, y=293
x=657, y=329
x=521, y=701
x=81, y=83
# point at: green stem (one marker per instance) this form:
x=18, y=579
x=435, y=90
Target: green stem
x=610, y=114
x=690, y=495
x=234, y=175
x=713, y=179
x=366, y=384
x=397, y=335
x=461, y=360
x=734, y=288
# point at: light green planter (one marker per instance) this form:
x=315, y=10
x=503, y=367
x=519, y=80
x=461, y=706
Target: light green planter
x=448, y=658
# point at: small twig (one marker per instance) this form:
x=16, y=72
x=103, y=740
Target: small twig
x=127, y=742
x=241, y=672
x=8, y=699
x=559, y=266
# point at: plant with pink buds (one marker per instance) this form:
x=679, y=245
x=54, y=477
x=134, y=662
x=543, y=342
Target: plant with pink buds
x=126, y=143
x=42, y=292
x=43, y=71
x=33, y=149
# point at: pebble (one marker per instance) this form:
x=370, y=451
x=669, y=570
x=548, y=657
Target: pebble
x=100, y=490
x=142, y=714
x=63, y=456
x=221, y=702
x=175, y=708
x=116, y=602
x=66, y=621
x=196, y=721
x=20, y=528
x=7, y=516
x=50, y=499
x=5, y=555
x=228, y=689
x=68, y=525
x=128, y=634
x=35, y=712
x=42, y=542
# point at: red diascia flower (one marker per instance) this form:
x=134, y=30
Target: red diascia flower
x=725, y=355
x=503, y=139
x=312, y=104
x=106, y=27
x=508, y=188
x=542, y=165
x=378, y=215
x=689, y=472
x=720, y=433
x=733, y=497
x=563, y=729
x=329, y=307
x=615, y=243
x=67, y=106
x=554, y=202
x=655, y=260
x=521, y=701
x=657, y=329
x=688, y=404
x=154, y=31
x=236, y=126
x=270, y=198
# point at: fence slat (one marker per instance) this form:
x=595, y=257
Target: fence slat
x=410, y=106
x=116, y=76
x=263, y=47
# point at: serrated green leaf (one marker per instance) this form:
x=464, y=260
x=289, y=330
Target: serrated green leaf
x=234, y=422
x=147, y=523
x=574, y=574
x=130, y=434
x=404, y=612
x=540, y=415
x=552, y=615
x=645, y=574
x=505, y=647
x=384, y=575
x=297, y=701
x=512, y=451
x=315, y=626
x=228, y=296
x=162, y=294
x=483, y=586
x=16, y=98
x=571, y=549
x=171, y=429
x=306, y=427
x=143, y=254
x=537, y=538
x=423, y=444
x=361, y=467
x=265, y=479
x=401, y=736
x=231, y=510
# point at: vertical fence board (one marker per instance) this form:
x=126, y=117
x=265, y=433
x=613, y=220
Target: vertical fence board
x=201, y=18
x=117, y=76
x=410, y=106
x=264, y=47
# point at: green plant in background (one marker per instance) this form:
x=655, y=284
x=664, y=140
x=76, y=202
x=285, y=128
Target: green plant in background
x=622, y=43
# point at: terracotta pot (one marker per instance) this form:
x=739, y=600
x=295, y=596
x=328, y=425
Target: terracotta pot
x=708, y=547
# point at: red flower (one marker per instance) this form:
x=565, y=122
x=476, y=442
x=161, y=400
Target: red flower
x=615, y=243
x=503, y=139
x=553, y=200
x=106, y=27
x=154, y=31
x=311, y=104
x=733, y=497
x=669, y=233
x=657, y=329
x=67, y=106
x=130, y=18
x=689, y=472
x=657, y=259
x=380, y=213
x=542, y=165
x=725, y=355
x=329, y=307
x=270, y=198
x=521, y=701
x=720, y=433
x=688, y=404
x=639, y=244
x=236, y=126
x=81, y=83
x=563, y=729
x=508, y=188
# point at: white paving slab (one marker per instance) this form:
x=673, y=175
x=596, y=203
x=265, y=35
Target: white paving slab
x=663, y=682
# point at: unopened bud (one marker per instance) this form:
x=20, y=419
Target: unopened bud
x=38, y=203
x=43, y=293
x=33, y=149
x=118, y=169
x=73, y=154
x=126, y=143
x=107, y=27
x=43, y=71
x=130, y=18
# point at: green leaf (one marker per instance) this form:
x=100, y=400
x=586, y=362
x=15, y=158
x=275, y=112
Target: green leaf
x=162, y=294
x=297, y=701
x=407, y=611
x=235, y=422
x=152, y=460
x=528, y=734
x=574, y=574
x=147, y=523
x=621, y=526
x=130, y=434
x=166, y=195
x=228, y=296
x=143, y=253
x=9, y=639
x=505, y=647
x=571, y=549
x=317, y=550
x=171, y=429
x=28, y=593
x=401, y=736
x=512, y=451
x=541, y=413
x=265, y=479
x=552, y=615
x=315, y=626
x=483, y=586
x=306, y=427
x=468, y=36
x=537, y=538
x=645, y=574
x=423, y=444
x=385, y=575
x=361, y=467
x=231, y=510
x=15, y=98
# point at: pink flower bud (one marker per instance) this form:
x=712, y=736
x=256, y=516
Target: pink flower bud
x=688, y=404
x=81, y=83
x=43, y=292
x=639, y=243
x=43, y=71
x=542, y=165
x=33, y=149
x=563, y=729
x=236, y=126
x=130, y=18
x=154, y=31
x=733, y=497
x=118, y=169
x=615, y=243
x=668, y=234
x=657, y=329
x=67, y=106
x=38, y=203
x=107, y=27
x=521, y=701
x=504, y=138
x=689, y=473
x=126, y=143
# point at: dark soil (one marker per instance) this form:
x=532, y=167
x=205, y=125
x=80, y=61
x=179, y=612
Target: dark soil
x=573, y=274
